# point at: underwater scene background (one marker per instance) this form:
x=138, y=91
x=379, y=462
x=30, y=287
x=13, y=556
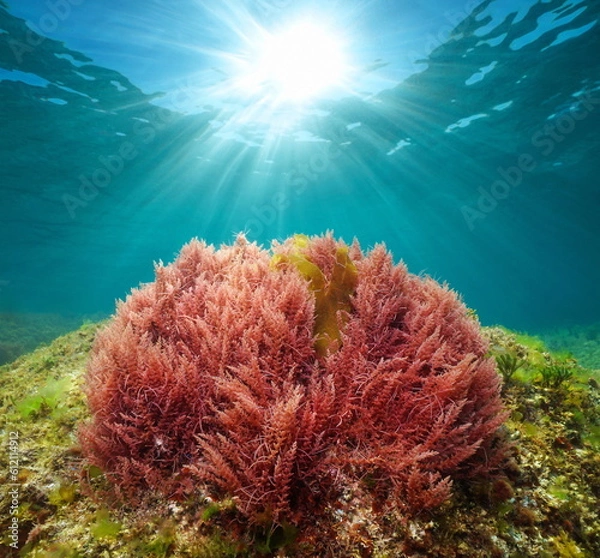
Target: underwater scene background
x=283, y=385
x=466, y=139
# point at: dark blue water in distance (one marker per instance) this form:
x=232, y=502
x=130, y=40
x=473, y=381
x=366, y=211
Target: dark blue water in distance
x=467, y=138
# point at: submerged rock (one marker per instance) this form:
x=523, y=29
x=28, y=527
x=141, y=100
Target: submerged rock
x=546, y=502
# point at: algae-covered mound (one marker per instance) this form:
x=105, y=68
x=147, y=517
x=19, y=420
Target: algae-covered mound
x=281, y=377
x=545, y=502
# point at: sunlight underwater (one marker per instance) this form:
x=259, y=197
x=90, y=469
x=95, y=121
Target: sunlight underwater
x=308, y=398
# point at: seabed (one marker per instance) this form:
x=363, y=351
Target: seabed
x=547, y=504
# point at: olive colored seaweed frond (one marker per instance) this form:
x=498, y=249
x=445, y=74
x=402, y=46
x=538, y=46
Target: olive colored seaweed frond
x=556, y=374
x=508, y=364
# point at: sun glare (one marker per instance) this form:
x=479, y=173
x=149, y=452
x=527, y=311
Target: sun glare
x=302, y=62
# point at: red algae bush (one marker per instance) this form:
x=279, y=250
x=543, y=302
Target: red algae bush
x=276, y=377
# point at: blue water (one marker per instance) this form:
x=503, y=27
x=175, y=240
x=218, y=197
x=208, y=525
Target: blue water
x=467, y=140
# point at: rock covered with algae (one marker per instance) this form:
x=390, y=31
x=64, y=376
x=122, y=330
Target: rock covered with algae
x=279, y=378
x=544, y=501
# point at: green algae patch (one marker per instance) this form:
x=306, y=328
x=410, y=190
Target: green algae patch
x=63, y=494
x=47, y=400
x=592, y=436
x=559, y=489
x=104, y=526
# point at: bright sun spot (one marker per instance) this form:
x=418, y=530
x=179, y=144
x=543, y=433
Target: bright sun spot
x=301, y=63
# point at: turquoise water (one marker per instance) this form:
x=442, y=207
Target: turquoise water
x=466, y=138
